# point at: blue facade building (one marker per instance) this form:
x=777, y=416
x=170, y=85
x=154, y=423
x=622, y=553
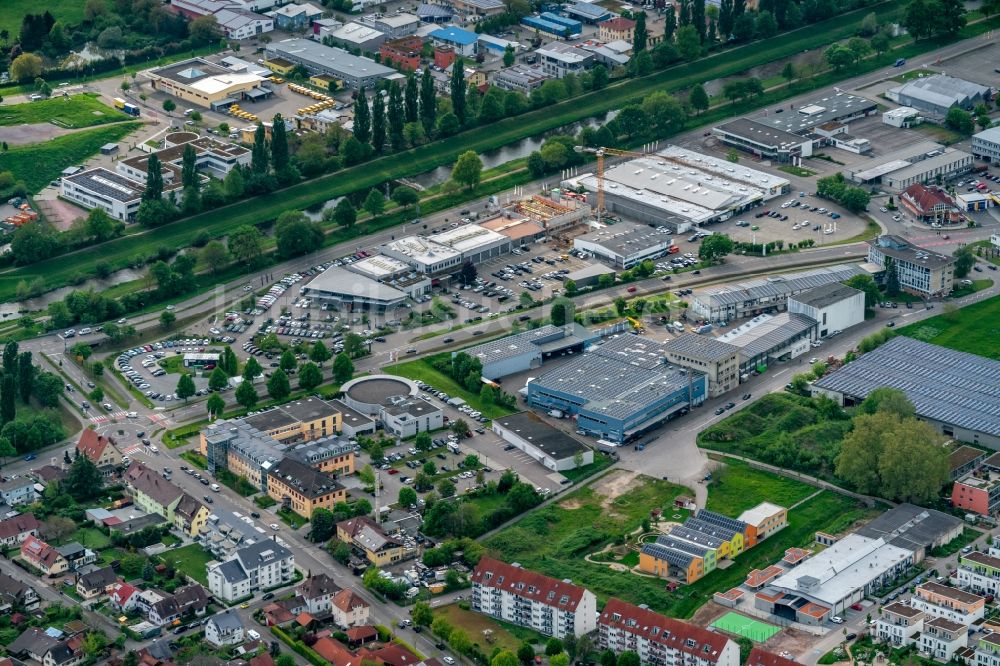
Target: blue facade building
x=620, y=389
x=548, y=27
x=575, y=27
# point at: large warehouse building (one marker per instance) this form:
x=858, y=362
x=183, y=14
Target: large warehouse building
x=548, y=445
x=767, y=338
x=954, y=391
x=936, y=95
x=524, y=351
x=738, y=300
x=919, y=162
x=448, y=250
x=341, y=288
x=356, y=72
x=206, y=84
x=625, y=244
x=835, y=306
x=678, y=188
x=620, y=389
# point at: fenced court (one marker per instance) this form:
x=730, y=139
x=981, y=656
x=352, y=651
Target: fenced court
x=741, y=625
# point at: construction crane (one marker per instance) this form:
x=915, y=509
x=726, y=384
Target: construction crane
x=601, y=153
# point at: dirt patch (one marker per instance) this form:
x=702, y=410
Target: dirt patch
x=59, y=213
x=570, y=504
x=708, y=614
x=616, y=484
x=16, y=135
x=791, y=640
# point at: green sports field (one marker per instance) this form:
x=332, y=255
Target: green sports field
x=747, y=627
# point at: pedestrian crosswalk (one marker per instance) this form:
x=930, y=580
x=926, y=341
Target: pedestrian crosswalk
x=133, y=449
x=107, y=418
x=98, y=420
x=159, y=419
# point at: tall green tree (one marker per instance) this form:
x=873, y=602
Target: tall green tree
x=726, y=20
x=246, y=243
x=279, y=145
x=362, y=118
x=258, y=151
x=310, y=376
x=252, y=369
x=344, y=213
x=343, y=368
x=411, y=100
x=318, y=353
x=25, y=376
x=215, y=405
x=185, y=387
x=83, y=480
x=639, y=35
x=218, y=380
x=698, y=17
x=508, y=56
x=189, y=172
x=246, y=395
x=459, y=89
x=397, y=117
x=891, y=277
x=278, y=386
x=964, y=261
x=698, y=98
x=428, y=102
x=374, y=203
x=468, y=169
x=378, y=122
x=8, y=394
x=154, y=179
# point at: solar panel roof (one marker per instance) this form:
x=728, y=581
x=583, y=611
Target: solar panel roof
x=945, y=385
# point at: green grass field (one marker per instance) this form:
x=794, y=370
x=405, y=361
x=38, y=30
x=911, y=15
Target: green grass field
x=119, y=252
x=74, y=112
x=64, y=11
x=38, y=163
x=741, y=625
x=474, y=624
x=423, y=370
x=190, y=560
x=740, y=487
x=974, y=329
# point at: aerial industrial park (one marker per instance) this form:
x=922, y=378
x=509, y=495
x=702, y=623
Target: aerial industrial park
x=499, y=333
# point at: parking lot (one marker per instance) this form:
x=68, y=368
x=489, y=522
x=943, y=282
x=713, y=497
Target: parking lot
x=148, y=374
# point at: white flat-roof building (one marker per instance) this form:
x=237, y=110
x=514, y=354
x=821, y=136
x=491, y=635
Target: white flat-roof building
x=678, y=188
x=835, y=306
x=357, y=36
x=393, y=26
x=356, y=72
x=625, y=244
x=986, y=144
x=559, y=59
x=112, y=192
x=476, y=243
x=903, y=117
x=393, y=272
x=835, y=578
x=243, y=24
x=423, y=254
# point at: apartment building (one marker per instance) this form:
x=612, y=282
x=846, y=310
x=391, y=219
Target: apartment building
x=349, y=610
x=979, y=573
x=919, y=271
x=254, y=568
x=976, y=494
x=987, y=650
x=302, y=488
x=762, y=521
x=899, y=625
x=941, y=638
x=662, y=641
x=529, y=599
x=368, y=537
x=939, y=600
x=151, y=492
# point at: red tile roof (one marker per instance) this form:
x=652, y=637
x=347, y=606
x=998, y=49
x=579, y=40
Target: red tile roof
x=347, y=600
x=262, y=660
x=926, y=198
x=759, y=657
x=533, y=585
x=671, y=633
x=12, y=527
x=121, y=594
x=92, y=445
x=617, y=23
x=393, y=655
x=335, y=652
x=363, y=633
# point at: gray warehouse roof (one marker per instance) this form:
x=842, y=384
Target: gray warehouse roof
x=911, y=527
x=761, y=133
x=776, y=286
x=818, y=112
x=827, y=295
x=336, y=280
x=772, y=333
x=548, y=439
x=942, y=90
x=528, y=342
x=620, y=377
x=703, y=347
x=901, y=249
x=336, y=59
x=944, y=385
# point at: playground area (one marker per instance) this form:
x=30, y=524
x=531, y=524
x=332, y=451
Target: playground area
x=747, y=627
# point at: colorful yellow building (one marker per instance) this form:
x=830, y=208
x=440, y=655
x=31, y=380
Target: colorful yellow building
x=302, y=488
x=368, y=537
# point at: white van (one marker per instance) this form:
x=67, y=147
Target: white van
x=215, y=487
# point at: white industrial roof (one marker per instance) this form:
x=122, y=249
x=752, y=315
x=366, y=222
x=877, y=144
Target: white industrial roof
x=422, y=250
x=755, y=515
x=356, y=33
x=213, y=85
x=336, y=280
x=380, y=266
x=844, y=567
x=468, y=238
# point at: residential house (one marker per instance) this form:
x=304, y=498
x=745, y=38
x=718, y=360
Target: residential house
x=68, y=652
x=123, y=597
x=617, y=28
x=662, y=640
x=14, y=530
x=941, y=638
x=43, y=557
x=151, y=492
x=302, y=488
x=979, y=573
x=939, y=600
x=899, y=625
x=349, y=610
x=930, y=204
x=188, y=600
x=33, y=643
x=317, y=592
x=190, y=515
x=96, y=583
x=77, y=555
x=224, y=629
x=100, y=450
x=368, y=536
x=762, y=521
x=16, y=595
x=17, y=491
x=526, y=598
x=295, y=17
x=253, y=568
